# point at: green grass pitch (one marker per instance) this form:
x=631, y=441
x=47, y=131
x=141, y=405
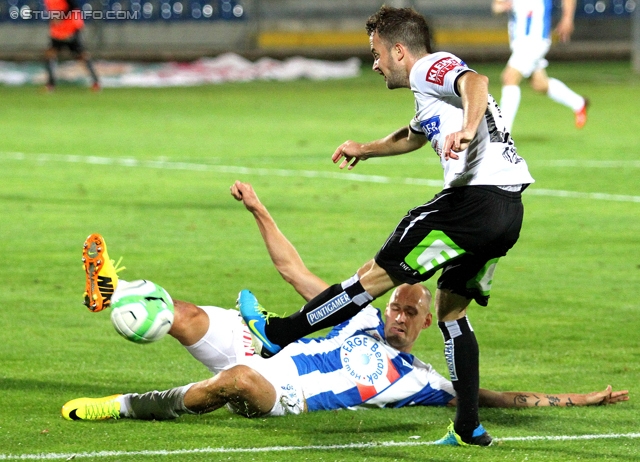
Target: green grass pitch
x=150, y=170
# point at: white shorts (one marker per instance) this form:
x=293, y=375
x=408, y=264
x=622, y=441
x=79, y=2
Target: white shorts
x=281, y=372
x=527, y=55
x=226, y=342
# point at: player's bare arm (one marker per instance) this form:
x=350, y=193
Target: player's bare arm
x=489, y=398
x=283, y=254
x=565, y=27
x=474, y=90
x=399, y=142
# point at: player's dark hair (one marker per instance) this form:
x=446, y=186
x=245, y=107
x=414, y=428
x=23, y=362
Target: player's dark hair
x=401, y=25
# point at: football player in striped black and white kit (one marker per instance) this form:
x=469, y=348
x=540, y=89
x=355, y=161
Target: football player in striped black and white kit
x=462, y=232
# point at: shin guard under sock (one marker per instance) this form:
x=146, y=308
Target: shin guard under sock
x=156, y=405
x=462, y=356
x=333, y=306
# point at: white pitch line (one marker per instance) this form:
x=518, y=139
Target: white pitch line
x=348, y=176
x=571, y=163
x=223, y=450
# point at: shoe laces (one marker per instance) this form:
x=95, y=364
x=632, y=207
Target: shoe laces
x=102, y=410
x=116, y=265
x=268, y=314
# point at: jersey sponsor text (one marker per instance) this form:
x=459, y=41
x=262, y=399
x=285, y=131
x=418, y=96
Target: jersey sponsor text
x=431, y=126
x=326, y=309
x=440, y=68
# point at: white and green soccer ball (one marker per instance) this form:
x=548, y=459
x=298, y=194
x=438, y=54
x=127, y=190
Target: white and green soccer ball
x=142, y=311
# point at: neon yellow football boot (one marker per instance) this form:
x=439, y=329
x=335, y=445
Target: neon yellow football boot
x=92, y=408
x=101, y=273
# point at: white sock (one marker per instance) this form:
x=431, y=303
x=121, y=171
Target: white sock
x=562, y=94
x=509, y=103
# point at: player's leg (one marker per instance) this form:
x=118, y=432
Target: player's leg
x=496, y=222
x=153, y=405
x=336, y=304
x=469, y=278
x=415, y=251
x=342, y=301
x=562, y=94
x=95, y=82
x=76, y=47
x=510, y=96
x=462, y=357
x=214, y=336
x=527, y=56
x=244, y=388
x=51, y=58
x=190, y=323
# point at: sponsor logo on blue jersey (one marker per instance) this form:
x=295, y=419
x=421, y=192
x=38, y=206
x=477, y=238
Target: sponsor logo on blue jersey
x=365, y=360
x=431, y=126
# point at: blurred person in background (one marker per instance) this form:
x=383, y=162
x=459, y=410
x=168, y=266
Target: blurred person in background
x=65, y=24
x=530, y=40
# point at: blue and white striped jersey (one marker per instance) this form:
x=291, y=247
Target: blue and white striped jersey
x=530, y=19
x=353, y=366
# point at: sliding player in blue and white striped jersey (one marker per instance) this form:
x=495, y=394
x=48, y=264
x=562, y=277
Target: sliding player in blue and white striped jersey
x=363, y=362
x=355, y=365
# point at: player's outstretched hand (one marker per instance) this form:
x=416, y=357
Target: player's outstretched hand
x=607, y=396
x=244, y=192
x=350, y=152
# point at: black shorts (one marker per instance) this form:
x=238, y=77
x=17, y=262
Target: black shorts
x=74, y=45
x=461, y=231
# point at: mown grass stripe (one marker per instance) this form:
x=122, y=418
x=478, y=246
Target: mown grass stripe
x=348, y=176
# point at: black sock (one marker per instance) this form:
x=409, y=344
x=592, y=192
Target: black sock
x=50, y=64
x=462, y=356
x=333, y=306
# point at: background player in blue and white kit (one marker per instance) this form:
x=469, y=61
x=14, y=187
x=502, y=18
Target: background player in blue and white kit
x=530, y=40
x=463, y=231
x=363, y=363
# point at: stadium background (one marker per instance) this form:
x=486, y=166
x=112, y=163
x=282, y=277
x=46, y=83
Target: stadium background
x=187, y=29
